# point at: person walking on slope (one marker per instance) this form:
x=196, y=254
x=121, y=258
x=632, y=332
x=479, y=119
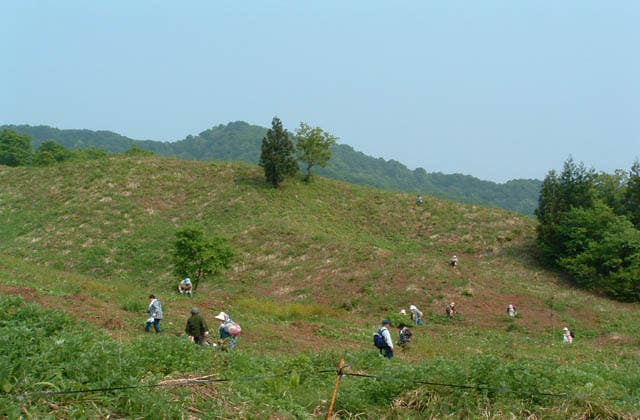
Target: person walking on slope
x=196, y=328
x=386, y=334
x=155, y=312
x=416, y=315
x=228, y=330
x=567, y=337
x=511, y=311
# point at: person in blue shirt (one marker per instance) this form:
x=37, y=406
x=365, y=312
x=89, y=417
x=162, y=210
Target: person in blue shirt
x=155, y=314
x=228, y=330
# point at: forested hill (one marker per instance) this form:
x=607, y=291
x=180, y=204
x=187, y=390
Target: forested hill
x=240, y=141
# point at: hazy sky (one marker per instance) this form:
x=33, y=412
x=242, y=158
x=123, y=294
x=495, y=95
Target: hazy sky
x=495, y=89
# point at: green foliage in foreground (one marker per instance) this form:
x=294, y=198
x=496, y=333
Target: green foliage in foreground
x=47, y=351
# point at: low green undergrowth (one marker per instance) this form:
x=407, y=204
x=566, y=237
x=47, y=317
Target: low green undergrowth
x=44, y=350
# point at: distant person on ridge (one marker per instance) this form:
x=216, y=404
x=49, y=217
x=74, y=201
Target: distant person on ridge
x=155, y=312
x=419, y=200
x=511, y=311
x=451, y=309
x=416, y=315
x=185, y=286
x=196, y=328
x=453, y=262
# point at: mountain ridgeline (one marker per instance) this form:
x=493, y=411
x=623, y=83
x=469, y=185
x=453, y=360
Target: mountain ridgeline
x=239, y=141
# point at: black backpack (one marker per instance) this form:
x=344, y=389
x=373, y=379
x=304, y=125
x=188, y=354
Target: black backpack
x=378, y=340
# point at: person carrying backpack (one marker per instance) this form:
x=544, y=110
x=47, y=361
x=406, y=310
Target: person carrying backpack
x=382, y=339
x=405, y=335
x=229, y=330
x=416, y=315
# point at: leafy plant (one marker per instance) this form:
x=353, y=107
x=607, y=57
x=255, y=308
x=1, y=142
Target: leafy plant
x=198, y=257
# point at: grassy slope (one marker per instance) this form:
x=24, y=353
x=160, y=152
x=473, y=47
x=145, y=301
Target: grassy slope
x=317, y=263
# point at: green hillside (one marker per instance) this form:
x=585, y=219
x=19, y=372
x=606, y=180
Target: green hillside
x=239, y=141
x=318, y=266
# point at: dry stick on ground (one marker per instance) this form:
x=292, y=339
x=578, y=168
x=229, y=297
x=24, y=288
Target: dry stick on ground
x=184, y=380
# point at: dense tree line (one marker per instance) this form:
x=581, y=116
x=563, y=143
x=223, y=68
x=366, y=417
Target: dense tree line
x=590, y=227
x=239, y=141
x=16, y=150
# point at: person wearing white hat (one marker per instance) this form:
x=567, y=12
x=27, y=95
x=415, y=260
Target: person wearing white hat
x=228, y=330
x=416, y=315
x=185, y=286
x=453, y=262
x=451, y=309
x=567, y=337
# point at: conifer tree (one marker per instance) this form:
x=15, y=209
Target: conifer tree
x=277, y=157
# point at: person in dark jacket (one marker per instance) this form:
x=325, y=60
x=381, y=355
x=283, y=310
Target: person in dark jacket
x=405, y=335
x=196, y=329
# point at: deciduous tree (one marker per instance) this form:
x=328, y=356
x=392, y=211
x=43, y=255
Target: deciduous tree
x=15, y=148
x=198, y=257
x=51, y=152
x=632, y=196
x=313, y=146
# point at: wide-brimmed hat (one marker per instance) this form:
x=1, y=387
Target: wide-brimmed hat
x=413, y=308
x=565, y=329
x=222, y=316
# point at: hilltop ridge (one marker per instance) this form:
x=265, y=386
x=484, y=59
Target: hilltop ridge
x=240, y=141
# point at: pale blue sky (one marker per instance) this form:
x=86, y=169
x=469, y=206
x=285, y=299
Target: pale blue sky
x=495, y=89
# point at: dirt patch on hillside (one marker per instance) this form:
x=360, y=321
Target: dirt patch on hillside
x=28, y=294
x=80, y=306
